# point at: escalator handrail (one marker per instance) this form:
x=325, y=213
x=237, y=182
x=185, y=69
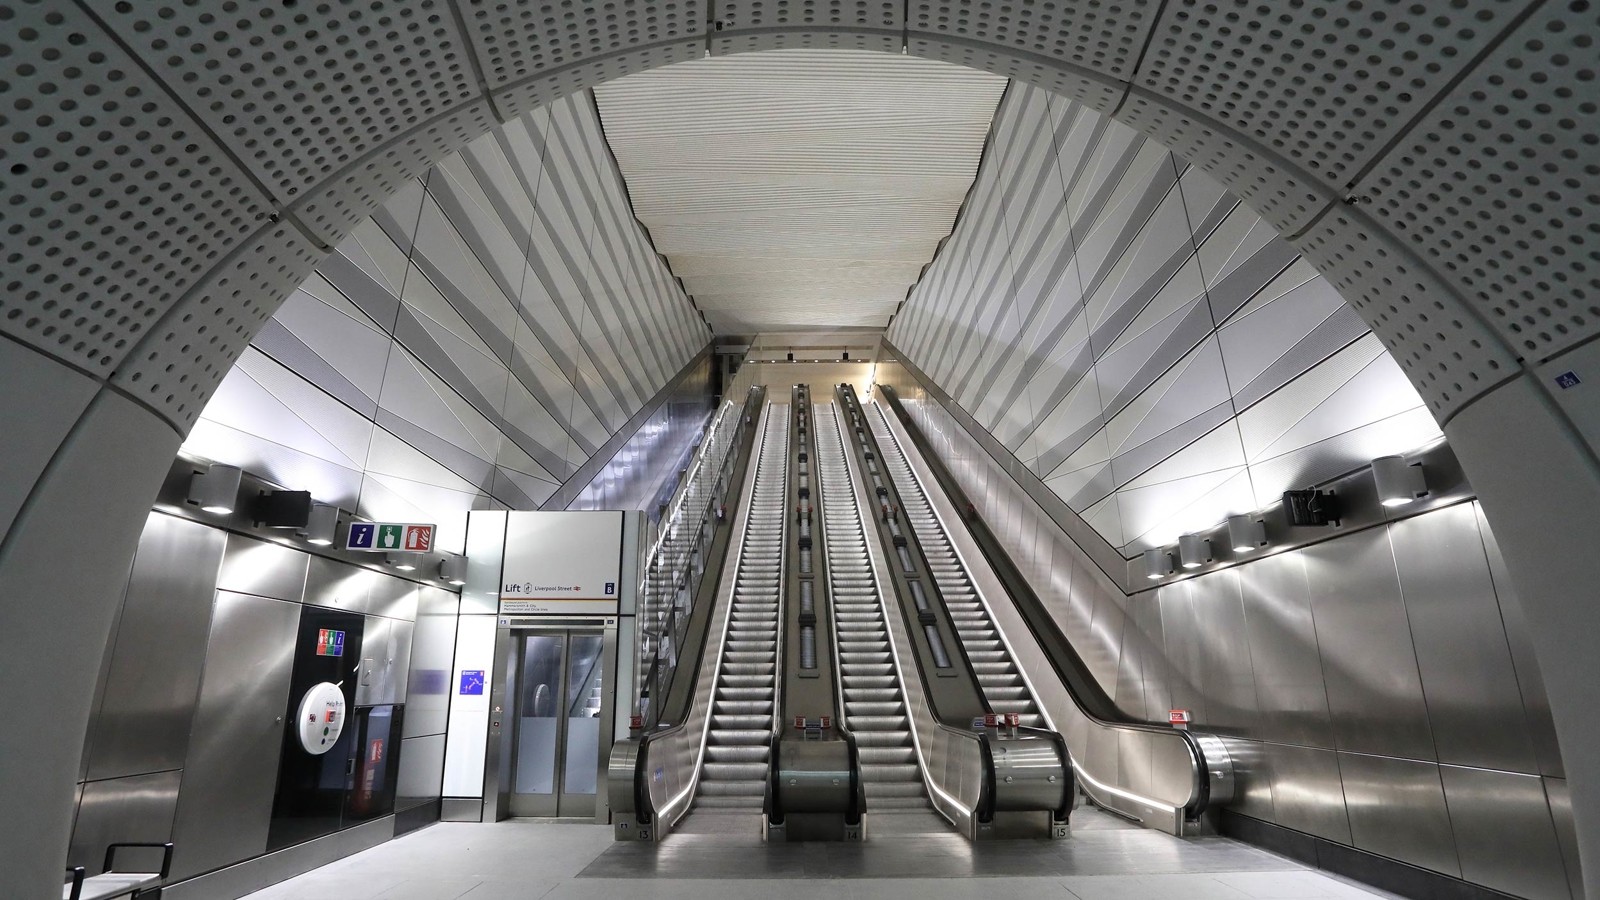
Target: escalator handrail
x=744, y=449
x=1037, y=618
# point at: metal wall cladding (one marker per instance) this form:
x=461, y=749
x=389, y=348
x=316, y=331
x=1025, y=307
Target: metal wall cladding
x=1530, y=681
x=433, y=648
x=385, y=662
x=394, y=598
x=337, y=585
x=1291, y=701
x=1374, y=691
x=155, y=661
x=1341, y=675
x=1503, y=832
x=1474, y=704
x=136, y=808
x=1397, y=809
x=232, y=767
x=263, y=568
x=1307, y=790
x=421, y=770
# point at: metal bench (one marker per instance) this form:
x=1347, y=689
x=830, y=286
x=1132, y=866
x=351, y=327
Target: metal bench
x=110, y=884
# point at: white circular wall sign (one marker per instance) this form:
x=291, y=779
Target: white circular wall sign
x=321, y=718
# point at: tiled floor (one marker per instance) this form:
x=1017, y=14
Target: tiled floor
x=524, y=860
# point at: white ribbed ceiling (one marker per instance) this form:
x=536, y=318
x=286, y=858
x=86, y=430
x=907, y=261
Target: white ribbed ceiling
x=799, y=187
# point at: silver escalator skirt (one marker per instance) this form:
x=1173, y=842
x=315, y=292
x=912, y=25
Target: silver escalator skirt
x=1003, y=683
x=875, y=708
x=733, y=771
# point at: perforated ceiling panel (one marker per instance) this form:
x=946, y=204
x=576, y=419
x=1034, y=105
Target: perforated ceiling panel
x=298, y=91
x=1325, y=85
x=1272, y=187
x=183, y=357
x=522, y=45
x=1497, y=188
x=115, y=201
x=745, y=25
x=1103, y=38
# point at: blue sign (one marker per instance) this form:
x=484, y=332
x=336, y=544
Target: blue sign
x=472, y=683
x=611, y=588
x=1567, y=379
x=362, y=536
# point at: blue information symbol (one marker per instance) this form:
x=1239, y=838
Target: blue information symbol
x=361, y=536
x=471, y=683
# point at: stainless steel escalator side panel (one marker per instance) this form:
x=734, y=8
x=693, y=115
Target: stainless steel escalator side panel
x=951, y=761
x=669, y=768
x=1178, y=789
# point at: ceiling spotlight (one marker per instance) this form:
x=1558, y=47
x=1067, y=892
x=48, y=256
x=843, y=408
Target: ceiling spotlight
x=1157, y=564
x=1398, y=482
x=405, y=562
x=1246, y=534
x=321, y=525
x=1194, y=551
x=453, y=570
x=216, y=489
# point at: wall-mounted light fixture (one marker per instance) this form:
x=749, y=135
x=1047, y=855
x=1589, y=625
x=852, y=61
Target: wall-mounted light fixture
x=1194, y=551
x=1246, y=533
x=1398, y=482
x=405, y=562
x=216, y=489
x=1157, y=564
x=322, y=525
x=453, y=570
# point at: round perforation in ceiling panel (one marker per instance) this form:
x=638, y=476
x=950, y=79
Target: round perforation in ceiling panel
x=1101, y=36
x=112, y=200
x=516, y=40
x=1099, y=95
x=1283, y=197
x=742, y=26
x=1497, y=187
x=533, y=93
x=1447, y=352
x=340, y=203
x=1326, y=85
x=178, y=364
x=299, y=90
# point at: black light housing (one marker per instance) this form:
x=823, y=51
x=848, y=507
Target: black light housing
x=282, y=509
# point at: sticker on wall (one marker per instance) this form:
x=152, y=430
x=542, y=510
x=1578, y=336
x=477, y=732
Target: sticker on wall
x=330, y=642
x=472, y=683
x=321, y=718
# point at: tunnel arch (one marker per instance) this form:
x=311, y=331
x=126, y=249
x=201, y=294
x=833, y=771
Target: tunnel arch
x=170, y=171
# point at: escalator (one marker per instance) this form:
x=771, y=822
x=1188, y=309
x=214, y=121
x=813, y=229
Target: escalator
x=1181, y=774
x=989, y=773
x=874, y=701
x=733, y=777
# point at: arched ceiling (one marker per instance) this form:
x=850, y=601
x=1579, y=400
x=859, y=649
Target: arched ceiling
x=799, y=188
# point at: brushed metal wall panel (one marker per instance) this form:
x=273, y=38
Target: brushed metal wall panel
x=1292, y=701
x=385, y=658
x=1133, y=761
x=1226, y=677
x=433, y=649
x=1146, y=616
x=1504, y=834
x=1374, y=692
x=393, y=597
x=338, y=585
x=1104, y=648
x=1182, y=637
x=421, y=770
x=226, y=802
x=264, y=569
x=135, y=808
x=1530, y=680
x=1560, y=798
x=159, y=649
x=1397, y=809
x=1474, y=705
x=1308, y=791
x=1252, y=778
